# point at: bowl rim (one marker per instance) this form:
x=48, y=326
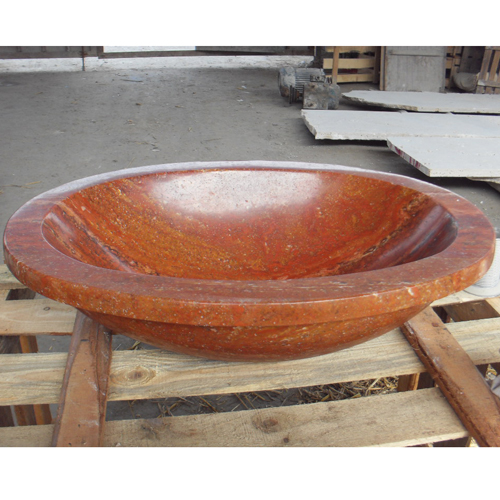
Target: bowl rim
x=41, y=267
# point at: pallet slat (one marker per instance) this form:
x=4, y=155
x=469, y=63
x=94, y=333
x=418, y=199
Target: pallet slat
x=456, y=375
x=82, y=403
x=488, y=78
x=360, y=63
x=368, y=65
x=7, y=280
x=402, y=419
x=149, y=374
x=37, y=317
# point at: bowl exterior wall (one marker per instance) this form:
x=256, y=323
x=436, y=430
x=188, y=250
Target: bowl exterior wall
x=238, y=343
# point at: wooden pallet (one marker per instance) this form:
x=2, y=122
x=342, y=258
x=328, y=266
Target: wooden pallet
x=489, y=76
x=90, y=374
x=453, y=61
x=352, y=64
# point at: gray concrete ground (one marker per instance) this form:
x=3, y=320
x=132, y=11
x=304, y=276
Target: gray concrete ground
x=57, y=126
x=64, y=125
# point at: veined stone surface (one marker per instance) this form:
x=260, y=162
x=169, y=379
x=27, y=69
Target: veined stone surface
x=249, y=261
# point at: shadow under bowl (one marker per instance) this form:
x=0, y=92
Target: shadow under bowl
x=249, y=261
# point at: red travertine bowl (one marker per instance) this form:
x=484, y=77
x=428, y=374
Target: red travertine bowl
x=249, y=260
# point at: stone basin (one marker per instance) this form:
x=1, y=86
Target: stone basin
x=249, y=261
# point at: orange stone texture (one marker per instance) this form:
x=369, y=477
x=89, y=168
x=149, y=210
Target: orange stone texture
x=249, y=261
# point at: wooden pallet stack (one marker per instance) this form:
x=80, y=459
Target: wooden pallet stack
x=453, y=61
x=81, y=381
x=489, y=76
x=352, y=64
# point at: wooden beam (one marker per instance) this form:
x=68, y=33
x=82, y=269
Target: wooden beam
x=152, y=373
x=401, y=419
x=355, y=77
x=37, y=317
x=26, y=414
x=82, y=405
x=456, y=375
x=7, y=279
x=470, y=311
x=359, y=63
x=353, y=48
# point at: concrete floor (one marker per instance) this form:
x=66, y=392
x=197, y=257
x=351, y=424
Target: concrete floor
x=62, y=125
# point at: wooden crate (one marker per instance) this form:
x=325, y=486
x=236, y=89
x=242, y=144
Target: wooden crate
x=29, y=381
x=352, y=64
x=489, y=75
x=453, y=61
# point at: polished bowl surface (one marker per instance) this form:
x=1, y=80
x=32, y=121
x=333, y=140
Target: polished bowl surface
x=249, y=260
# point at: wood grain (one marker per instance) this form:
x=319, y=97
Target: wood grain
x=455, y=373
x=363, y=62
x=402, y=419
x=7, y=280
x=146, y=374
x=82, y=404
x=37, y=317
x=471, y=311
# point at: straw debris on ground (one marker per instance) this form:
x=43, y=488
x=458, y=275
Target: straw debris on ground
x=177, y=406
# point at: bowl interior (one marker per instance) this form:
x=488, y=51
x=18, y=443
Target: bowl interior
x=248, y=224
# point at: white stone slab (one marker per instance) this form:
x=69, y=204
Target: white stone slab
x=380, y=125
x=434, y=102
x=450, y=156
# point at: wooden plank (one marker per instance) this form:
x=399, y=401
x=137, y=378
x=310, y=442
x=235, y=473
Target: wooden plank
x=147, y=374
x=394, y=420
x=82, y=405
x=350, y=48
x=38, y=414
x=494, y=303
x=494, y=67
x=483, y=73
x=355, y=77
x=31, y=414
x=37, y=317
x=488, y=83
x=335, y=64
x=7, y=280
x=408, y=382
x=6, y=418
x=456, y=375
x=360, y=63
x=456, y=298
x=403, y=419
x=6, y=415
x=455, y=61
x=481, y=309
x=24, y=413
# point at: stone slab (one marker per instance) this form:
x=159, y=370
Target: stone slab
x=380, y=125
x=434, y=102
x=450, y=156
